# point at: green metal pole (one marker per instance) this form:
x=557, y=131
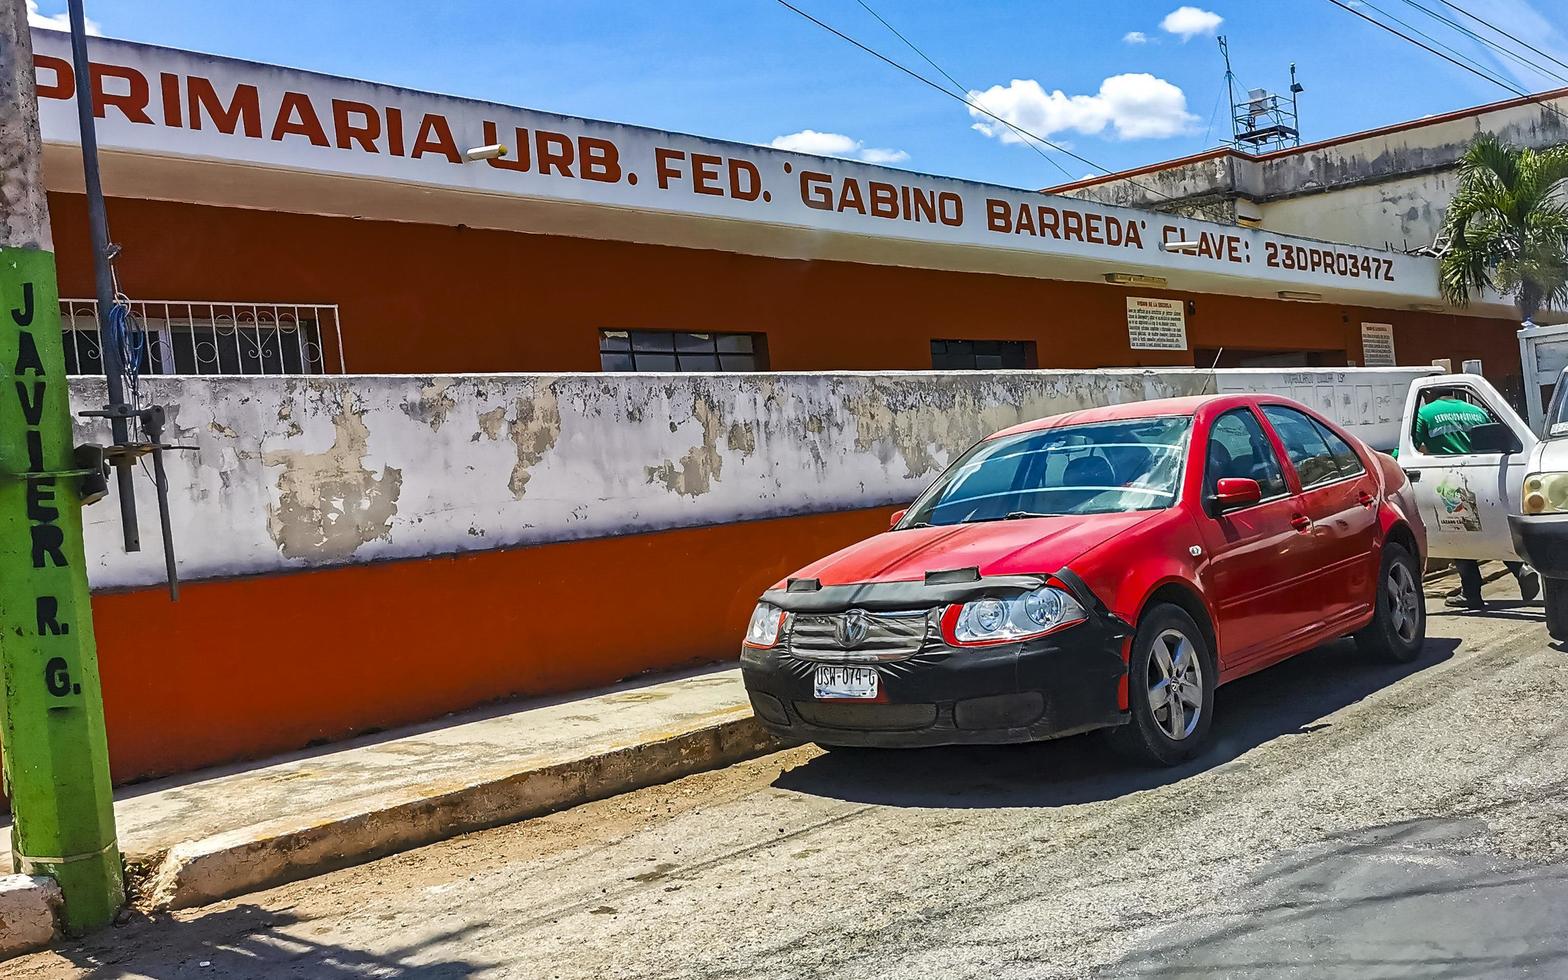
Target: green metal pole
x=55, y=755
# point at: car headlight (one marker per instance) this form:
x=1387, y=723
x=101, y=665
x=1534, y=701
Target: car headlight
x=1545, y=493
x=1022, y=617
x=767, y=621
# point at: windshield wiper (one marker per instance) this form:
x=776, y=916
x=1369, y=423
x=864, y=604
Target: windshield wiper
x=1019, y=515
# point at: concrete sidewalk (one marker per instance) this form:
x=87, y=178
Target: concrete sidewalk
x=209, y=835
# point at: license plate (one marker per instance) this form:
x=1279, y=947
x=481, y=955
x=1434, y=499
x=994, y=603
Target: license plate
x=846, y=682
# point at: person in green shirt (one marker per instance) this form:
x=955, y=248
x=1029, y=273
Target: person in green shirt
x=1442, y=428
x=1443, y=425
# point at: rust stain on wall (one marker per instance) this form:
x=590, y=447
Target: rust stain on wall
x=329, y=503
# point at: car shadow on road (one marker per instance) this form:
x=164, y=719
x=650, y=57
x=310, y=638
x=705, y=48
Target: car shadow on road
x=1290, y=699
x=252, y=941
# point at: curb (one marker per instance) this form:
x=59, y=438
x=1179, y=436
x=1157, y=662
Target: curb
x=263, y=855
x=30, y=909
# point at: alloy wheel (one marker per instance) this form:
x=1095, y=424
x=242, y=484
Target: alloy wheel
x=1402, y=600
x=1175, y=684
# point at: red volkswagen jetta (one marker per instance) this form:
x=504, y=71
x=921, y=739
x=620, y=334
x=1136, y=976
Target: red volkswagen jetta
x=1102, y=569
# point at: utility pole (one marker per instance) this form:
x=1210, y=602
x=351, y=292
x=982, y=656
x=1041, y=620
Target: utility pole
x=51, y=713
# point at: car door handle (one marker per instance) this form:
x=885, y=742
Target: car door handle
x=1414, y=476
x=1365, y=499
x=1301, y=522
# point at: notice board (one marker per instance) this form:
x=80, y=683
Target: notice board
x=1377, y=345
x=1156, y=324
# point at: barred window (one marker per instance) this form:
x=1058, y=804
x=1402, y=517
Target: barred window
x=192, y=338
x=981, y=355
x=661, y=350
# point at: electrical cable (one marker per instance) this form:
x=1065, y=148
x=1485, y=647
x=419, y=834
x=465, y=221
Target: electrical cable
x=957, y=85
x=1492, y=27
x=1457, y=58
x=1540, y=99
x=1470, y=68
x=1467, y=32
x=953, y=95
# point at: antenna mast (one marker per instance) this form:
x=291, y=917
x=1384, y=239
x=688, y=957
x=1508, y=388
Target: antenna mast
x=1261, y=120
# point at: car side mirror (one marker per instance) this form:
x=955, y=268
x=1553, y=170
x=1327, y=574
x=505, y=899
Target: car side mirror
x=897, y=516
x=1494, y=437
x=1232, y=492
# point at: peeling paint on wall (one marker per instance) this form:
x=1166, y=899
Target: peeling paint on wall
x=330, y=504
x=703, y=463
x=433, y=403
x=533, y=433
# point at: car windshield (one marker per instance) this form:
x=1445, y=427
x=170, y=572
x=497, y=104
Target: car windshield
x=1104, y=468
x=1557, y=412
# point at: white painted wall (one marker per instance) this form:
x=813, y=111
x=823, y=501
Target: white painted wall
x=293, y=473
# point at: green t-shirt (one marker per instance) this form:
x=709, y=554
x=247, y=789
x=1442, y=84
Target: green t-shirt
x=1443, y=426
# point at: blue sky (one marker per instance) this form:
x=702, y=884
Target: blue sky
x=1121, y=82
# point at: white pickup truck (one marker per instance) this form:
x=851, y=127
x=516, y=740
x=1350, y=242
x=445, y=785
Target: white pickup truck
x=1504, y=500
x=1507, y=498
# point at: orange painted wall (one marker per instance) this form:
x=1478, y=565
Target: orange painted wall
x=429, y=298
x=243, y=668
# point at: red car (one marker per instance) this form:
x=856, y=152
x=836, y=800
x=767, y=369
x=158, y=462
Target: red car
x=1101, y=569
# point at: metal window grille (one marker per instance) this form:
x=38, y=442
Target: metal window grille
x=664, y=350
x=196, y=338
x=981, y=355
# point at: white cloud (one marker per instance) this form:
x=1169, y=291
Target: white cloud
x=1135, y=37
x=1189, y=22
x=837, y=145
x=57, y=22
x=1135, y=106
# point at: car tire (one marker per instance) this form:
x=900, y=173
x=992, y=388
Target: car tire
x=1398, y=627
x=1167, y=641
x=1556, y=595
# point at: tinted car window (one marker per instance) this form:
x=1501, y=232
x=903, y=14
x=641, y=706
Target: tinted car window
x=1344, y=457
x=1238, y=448
x=1304, y=445
x=1102, y=468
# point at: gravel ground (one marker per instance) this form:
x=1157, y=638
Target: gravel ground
x=1353, y=819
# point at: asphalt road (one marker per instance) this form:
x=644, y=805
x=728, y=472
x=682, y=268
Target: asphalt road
x=1353, y=819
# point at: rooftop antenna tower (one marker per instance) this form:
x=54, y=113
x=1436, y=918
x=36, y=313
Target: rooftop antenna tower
x=1261, y=120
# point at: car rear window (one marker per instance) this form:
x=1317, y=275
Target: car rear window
x=1100, y=468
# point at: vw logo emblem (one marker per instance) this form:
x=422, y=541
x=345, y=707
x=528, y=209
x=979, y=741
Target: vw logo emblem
x=851, y=629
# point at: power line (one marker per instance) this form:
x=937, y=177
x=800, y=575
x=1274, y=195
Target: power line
x=957, y=85
x=965, y=100
x=1377, y=23
x=1467, y=62
x=1512, y=55
x=1541, y=99
x=1499, y=30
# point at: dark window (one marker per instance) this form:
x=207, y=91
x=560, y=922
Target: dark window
x=664, y=350
x=981, y=355
x=1304, y=445
x=1344, y=457
x=1238, y=448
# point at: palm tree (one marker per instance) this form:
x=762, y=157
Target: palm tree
x=1507, y=226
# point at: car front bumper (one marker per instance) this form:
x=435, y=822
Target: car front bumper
x=1058, y=685
x=1542, y=540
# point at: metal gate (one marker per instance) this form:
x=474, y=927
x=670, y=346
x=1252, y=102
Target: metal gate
x=1543, y=353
